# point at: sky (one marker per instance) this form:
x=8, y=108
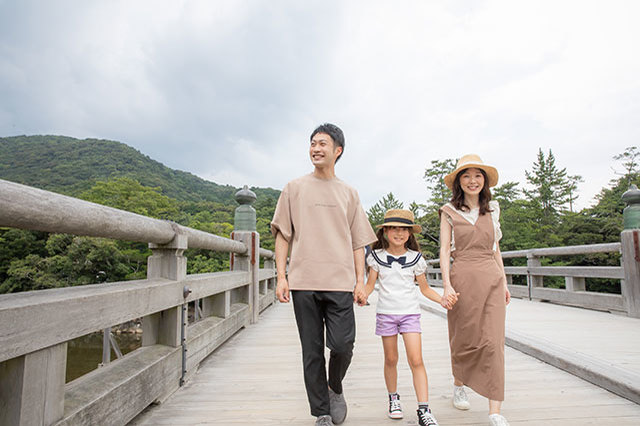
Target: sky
x=231, y=90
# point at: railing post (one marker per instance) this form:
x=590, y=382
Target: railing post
x=630, y=246
x=575, y=284
x=167, y=261
x=32, y=387
x=245, y=231
x=271, y=282
x=533, y=280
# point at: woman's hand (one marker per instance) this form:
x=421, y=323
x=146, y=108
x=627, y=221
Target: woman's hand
x=507, y=295
x=449, y=297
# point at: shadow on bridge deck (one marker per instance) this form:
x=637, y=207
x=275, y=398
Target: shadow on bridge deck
x=256, y=377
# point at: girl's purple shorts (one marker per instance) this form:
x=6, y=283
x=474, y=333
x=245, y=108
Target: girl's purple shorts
x=391, y=324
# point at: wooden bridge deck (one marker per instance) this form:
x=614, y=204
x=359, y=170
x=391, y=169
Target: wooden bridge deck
x=256, y=377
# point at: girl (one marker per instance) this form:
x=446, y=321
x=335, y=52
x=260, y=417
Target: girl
x=397, y=262
x=470, y=231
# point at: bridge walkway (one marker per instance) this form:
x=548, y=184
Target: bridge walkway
x=256, y=376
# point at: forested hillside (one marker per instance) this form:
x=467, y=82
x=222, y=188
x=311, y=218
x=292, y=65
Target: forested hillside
x=114, y=174
x=70, y=166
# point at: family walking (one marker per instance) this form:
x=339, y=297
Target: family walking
x=320, y=226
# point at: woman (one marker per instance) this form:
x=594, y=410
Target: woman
x=470, y=231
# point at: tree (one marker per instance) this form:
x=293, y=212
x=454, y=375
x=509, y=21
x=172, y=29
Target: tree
x=416, y=208
x=630, y=163
x=128, y=194
x=549, y=192
x=434, y=175
x=572, y=189
x=377, y=211
x=506, y=194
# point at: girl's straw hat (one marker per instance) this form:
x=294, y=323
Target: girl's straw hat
x=472, y=160
x=400, y=217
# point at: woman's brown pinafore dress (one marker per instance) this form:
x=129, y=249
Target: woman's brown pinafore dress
x=476, y=322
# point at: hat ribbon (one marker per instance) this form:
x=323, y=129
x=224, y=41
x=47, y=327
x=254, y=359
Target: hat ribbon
x=398, y=219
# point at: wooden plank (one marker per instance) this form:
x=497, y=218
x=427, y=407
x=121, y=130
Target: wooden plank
x=256, y=378
x=204, y=285
x=586, y=299
x=615, y=272
x=35, y=320
x=265, y=274
x=207, y=335
x=114, y=394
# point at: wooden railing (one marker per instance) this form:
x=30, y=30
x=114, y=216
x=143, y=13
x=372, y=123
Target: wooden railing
x=575, y=292
x=35, y=326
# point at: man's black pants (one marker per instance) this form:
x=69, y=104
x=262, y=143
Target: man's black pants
x=314, y=311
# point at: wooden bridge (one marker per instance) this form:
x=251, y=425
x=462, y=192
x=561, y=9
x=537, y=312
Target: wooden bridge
x=574, y=361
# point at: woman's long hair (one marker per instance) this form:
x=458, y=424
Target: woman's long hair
x=382, y=243
x=458, y=194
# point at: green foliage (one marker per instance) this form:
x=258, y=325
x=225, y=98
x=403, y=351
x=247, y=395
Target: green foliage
x=377, y=211
x=550, y=187
x=434, y=176
x=73, y=261
x=128, y=194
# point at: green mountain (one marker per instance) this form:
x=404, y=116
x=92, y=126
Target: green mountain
x=70, y=166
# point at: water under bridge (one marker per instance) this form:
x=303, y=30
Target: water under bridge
x=572, y=357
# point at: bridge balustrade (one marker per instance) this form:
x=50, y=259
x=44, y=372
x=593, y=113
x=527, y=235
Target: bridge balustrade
x=574, y=293
x=35, y=326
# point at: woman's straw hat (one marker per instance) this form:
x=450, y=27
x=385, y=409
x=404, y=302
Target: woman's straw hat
x=468, y=161
x=400, y=217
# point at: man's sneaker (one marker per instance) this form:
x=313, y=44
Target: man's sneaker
x=425, y=418
x=395, y=409
x=324, y=421
x=460, y=398
x=497, y=420
x=337, y=407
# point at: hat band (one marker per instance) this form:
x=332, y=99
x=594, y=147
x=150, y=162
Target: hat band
x=398, y=219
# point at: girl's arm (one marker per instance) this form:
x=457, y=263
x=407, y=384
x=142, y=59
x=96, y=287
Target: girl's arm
x=427, y=291
x=368, y=288
x=498, y=256
x=433, y=295
x=445, y=256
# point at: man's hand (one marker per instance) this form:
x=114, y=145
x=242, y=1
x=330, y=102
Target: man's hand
x=282, y=290
x=360, y=295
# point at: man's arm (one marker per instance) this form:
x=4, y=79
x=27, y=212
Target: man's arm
x=358, y=263
x=282, y=251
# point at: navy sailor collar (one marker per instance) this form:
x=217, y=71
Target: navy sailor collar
x=383, y=262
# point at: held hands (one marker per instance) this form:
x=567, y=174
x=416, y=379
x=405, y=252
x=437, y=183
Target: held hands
x=360, y=295
x=449, y=301
x=449, y=297
x=282, y=290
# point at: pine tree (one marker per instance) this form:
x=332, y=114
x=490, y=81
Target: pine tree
x=630, y=162
x=434, y=176
x=377, y=211
x=549, y=193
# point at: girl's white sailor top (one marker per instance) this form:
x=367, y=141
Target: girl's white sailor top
x=397, y=293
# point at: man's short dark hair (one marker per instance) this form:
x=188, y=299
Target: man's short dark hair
x=335, y=133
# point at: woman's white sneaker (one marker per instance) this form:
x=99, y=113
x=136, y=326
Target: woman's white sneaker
x=460, y=398
x=497, y=420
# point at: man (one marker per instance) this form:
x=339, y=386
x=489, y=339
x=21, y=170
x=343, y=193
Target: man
x=321, y=219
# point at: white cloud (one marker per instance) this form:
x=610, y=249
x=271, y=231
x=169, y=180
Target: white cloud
x=231, y=90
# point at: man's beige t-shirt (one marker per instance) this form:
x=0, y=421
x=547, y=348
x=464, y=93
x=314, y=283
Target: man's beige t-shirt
x=323, y=221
